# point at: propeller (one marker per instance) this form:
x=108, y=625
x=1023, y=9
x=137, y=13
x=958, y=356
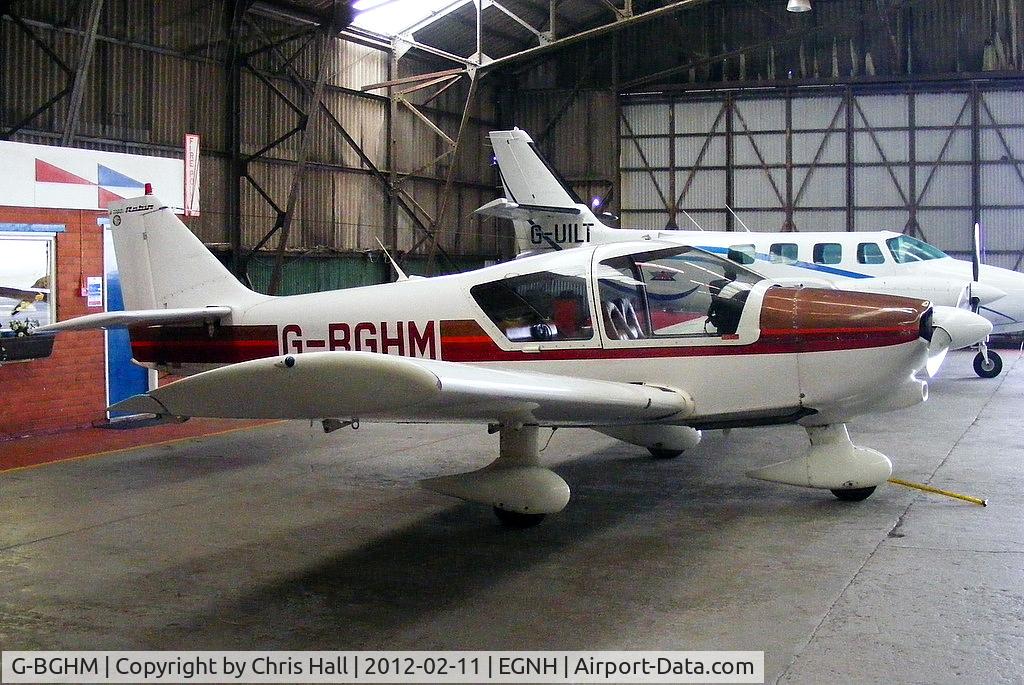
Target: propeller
x=938, y=348
x=975, y=265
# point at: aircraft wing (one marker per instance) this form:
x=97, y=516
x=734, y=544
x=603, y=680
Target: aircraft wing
x=370, y=386
x=139, y=317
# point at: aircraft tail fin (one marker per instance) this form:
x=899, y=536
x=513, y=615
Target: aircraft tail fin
x=164, y=265
x=546, y=212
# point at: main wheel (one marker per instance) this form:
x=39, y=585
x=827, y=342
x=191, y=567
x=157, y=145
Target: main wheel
x=515, y=519
x=659, y=453
x=989, y=369
x=854, y=494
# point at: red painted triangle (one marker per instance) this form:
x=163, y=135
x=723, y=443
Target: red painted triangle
x=106, y=197
x=47, y=173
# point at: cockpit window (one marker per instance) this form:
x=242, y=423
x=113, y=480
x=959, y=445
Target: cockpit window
x=906, y=249
x=742, y=254
x=869, y=253
x=540, y=307
x=672, y=292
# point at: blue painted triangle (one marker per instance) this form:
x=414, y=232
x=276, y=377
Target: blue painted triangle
x=109, y=177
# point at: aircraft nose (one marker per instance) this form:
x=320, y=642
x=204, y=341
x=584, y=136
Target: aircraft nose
x=963, y=328
x=986, y=293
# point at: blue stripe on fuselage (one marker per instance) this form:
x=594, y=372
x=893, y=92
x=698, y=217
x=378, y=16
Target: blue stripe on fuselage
x=802, y=265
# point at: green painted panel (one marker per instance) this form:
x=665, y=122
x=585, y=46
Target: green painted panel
x=316, y=274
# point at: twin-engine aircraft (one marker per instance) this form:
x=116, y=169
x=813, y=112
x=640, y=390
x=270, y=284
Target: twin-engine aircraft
x=648, y=342
x=549, y=216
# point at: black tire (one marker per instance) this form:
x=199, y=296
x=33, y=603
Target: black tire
x=995, y=365
x=515, y=519
x=854, y=494
x=659, y=453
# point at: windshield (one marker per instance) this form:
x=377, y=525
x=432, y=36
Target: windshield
x=906, y=249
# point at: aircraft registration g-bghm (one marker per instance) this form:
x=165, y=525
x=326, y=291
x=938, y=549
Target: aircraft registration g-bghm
x=549, y=216
x=648, y=342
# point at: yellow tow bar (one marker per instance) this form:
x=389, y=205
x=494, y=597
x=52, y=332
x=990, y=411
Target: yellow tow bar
x=927, y=488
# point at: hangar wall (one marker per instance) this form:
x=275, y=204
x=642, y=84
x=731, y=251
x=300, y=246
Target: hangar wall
x=67, y=389
x=902, y=158
x=161, y=69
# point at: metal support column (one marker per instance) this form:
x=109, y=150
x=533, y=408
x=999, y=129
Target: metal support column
x=850, y=208
x=85, y=54
x=975, y=97
x=233, y=13
x=284, y=219
x=788, y=224
x=730, y=162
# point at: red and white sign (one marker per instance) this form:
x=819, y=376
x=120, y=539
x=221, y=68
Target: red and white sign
x=47, y=176
x=191, y=174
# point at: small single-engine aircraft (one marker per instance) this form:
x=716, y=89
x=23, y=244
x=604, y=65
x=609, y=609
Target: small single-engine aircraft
x=572, y=338
x=549, y=216
x=26, y=297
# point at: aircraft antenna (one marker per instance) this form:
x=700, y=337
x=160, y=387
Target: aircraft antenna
x=394, y=265
x=699, y=227
x=737, y=217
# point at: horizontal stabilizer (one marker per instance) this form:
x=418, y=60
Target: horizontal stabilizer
x=506, y=209
x=140, y=317
x=370, y=386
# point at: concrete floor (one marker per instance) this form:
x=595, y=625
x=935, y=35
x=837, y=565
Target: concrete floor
x=282, y=537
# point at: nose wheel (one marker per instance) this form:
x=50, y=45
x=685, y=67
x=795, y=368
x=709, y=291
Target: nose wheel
x=988, y=364
x=854, y=494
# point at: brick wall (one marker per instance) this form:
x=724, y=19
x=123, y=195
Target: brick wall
x=67, y=389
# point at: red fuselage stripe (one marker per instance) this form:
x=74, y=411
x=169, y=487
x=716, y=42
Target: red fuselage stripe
x=481, y=348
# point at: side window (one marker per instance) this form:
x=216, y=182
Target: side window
x=828, y=253
x=783, y=253
x=678, y=292
x=624, y=299
x=869, y=253
x=742, y=254
x=541, y=307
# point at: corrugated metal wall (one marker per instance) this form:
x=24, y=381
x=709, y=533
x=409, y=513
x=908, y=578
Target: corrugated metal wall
x=789, y=159
x=159, y=72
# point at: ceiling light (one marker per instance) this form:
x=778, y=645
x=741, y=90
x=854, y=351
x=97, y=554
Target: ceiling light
x=799, y=5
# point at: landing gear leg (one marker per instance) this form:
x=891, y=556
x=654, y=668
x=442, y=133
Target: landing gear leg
x=832, y=462
x=521, y=491
x=987, y=363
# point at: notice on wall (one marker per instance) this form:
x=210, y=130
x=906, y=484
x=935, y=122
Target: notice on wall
x=94, y=291
x=191, y=174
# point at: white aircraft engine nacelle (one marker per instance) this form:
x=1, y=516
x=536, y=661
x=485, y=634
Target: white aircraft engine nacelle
x=670, y=438
x=947, y=292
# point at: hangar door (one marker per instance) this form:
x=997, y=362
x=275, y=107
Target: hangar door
x=928, y=164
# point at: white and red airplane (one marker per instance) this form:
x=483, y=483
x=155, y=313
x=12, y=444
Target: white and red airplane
x=572, y=338
x=548, y=216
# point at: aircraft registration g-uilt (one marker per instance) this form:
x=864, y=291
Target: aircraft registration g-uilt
x=548, y=215
x=578, y=338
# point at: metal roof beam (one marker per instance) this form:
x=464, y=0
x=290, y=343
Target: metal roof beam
x=595, y=32
x=433, y=17
x=519, y=20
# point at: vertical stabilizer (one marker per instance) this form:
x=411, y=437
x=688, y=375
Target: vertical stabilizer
x=164, y=265
x=546, y=212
